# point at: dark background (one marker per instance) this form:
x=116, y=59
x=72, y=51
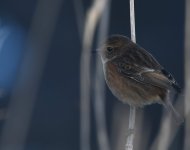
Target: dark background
x=55, y=121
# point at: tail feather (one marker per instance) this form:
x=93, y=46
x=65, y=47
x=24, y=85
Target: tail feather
x=178, y=118
x=176, y=87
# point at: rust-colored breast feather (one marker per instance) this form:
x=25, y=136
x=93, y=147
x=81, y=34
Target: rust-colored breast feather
x=130, y=91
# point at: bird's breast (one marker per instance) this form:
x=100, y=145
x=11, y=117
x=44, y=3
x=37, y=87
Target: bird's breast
x=126, y=89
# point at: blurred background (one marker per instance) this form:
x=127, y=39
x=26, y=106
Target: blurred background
x=41, y=43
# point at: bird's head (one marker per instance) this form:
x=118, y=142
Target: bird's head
x=114, y=47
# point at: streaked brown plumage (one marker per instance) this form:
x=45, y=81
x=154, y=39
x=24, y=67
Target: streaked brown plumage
x=134, y=76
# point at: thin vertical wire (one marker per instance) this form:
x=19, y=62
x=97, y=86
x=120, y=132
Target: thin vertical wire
x=132, y=21
x=187, y=75
x=99, y=102
x=130, y=138
x=93, y=15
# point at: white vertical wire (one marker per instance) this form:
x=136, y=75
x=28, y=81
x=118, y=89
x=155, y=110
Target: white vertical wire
x=130, y=135
x=132, y=21
x=130, y=138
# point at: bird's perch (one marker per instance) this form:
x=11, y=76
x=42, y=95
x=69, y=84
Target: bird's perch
x=131, y=134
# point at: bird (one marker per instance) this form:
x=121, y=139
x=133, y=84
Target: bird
x=135, y=77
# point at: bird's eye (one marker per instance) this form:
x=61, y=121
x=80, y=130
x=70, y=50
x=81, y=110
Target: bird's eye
x=124, y=66
x=127, y=67
x=109, y=49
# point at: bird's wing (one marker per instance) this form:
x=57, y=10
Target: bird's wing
x=175, y=85
x=139, y=56
x=158, y=77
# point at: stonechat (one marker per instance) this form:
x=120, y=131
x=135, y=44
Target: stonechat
x=135, y=77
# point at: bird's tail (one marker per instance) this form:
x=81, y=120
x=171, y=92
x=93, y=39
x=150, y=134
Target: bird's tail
x=178, y=118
